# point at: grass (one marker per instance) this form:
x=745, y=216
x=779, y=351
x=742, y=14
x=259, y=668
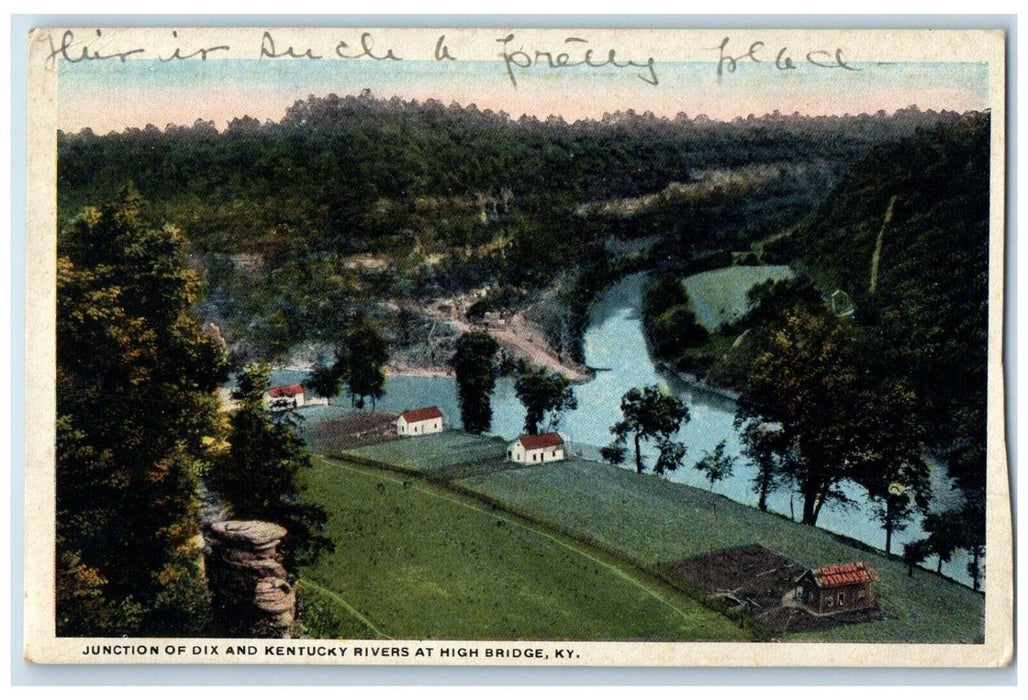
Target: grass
x=415, y=560
x=719, y=296
x=654, y=523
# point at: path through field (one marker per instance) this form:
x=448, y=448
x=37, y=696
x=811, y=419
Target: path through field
x=415, y=561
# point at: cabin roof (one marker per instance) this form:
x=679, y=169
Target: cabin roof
x=277, y=392
x=538, y=442
x=416, y=415
x=835, y=575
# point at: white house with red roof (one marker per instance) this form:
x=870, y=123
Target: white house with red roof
x=284, y=398
x=536, y=449
x=837, y=588
x=420, y=421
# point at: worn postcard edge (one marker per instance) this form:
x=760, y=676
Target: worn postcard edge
x=42, y=645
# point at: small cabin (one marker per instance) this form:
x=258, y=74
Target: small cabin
x=420, y=421
x=536, y=449
x=837, y=588
x=285, y=398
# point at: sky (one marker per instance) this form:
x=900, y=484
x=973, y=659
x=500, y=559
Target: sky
x=113, y=95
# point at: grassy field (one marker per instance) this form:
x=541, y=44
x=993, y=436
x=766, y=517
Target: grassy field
x=719, y=296
x=415, y=560
x=654, y=522
x=423, y=545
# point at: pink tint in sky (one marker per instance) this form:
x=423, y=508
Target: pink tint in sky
x=113, y=97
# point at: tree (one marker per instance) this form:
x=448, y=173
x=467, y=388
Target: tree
x=716, y=465
x=651, y=413
x=803, y=380
x=326, y=380
x=943, y=536
x=669, y=456
x=762, y=443
x=972, y=529
x=613, y=453
x=544, y=392
x=259, y=476
x=136, y=409
x=366, y=355
x=914, y=553
x=890, y=464
x=474, y=365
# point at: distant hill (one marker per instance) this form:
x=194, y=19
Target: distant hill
x=350, y=201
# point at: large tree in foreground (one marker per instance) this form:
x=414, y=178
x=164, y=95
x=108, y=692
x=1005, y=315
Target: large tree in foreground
x=544, y=394
x=259, y=477
x=802, y=382
x=474, y=364
x=813, y=413
x=365, y=357
x=136, y=408
x=651, y=414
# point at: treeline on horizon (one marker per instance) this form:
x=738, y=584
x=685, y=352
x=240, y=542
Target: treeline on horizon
x=344, y=173
x=345, y=155
x=450, y=198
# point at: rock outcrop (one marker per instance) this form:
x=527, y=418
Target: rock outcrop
x=250, y=592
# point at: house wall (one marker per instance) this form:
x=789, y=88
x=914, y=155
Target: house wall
x=422, y=427
x=545, y=454
x=828, y=600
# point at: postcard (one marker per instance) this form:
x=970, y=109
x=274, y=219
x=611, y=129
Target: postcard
x=511, y=346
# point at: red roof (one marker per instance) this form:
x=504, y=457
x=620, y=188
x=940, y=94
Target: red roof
x=538, y=442
x=417, y=415
x=835, y=575
x=278, y=392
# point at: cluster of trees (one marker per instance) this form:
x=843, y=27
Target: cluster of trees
x=547, y=396
x=923, y=205
x=669, y=321
x=258, y=475
x=650, y=414
x=450, y=198
x=813, y=411
x=863, y=393
x=816, y=411
x=138, y=426
x=360, y=358
x=136, y=412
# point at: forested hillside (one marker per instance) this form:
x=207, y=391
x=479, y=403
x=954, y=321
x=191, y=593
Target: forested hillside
x=352, y=201
x=905, y=235
x=875, y=353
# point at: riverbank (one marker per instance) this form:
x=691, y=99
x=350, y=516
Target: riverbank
x=614, y=341
x=696, y=384
x=518, y=338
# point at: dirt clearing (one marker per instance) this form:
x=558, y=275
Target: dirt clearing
x=762, y=582
x=347, y=433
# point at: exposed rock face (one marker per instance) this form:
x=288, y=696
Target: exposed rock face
x=250, y=593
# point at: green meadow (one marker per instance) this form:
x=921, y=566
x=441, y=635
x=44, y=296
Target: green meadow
x=439, y=537
x=415, y=560
x=719, y=296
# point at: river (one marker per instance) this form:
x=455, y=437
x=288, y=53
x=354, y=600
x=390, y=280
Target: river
x=615, y=343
